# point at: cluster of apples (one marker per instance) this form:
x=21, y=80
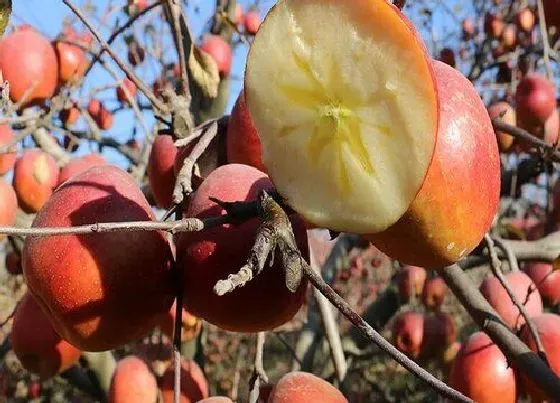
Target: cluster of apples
x=536, y=111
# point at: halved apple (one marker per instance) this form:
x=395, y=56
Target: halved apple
x=342, y=95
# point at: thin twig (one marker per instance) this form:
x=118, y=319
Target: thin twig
x=156, y=102
x=546, y=44
x=259, y=373
x=175, y=9
x=519, y=133
x=177, y=331
x=512, y=259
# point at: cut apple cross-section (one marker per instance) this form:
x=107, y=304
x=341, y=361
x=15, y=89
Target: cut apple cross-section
x=343, y=98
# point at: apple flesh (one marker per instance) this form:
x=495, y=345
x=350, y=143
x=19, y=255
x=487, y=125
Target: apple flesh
x=482, y=372
x=8, y=159
x=194, y=386
x=36, y=344
x=243, y=144
x=100, y=290
x=523, y=288
x=546, y=279
x=463, y=180
x=333, y=117
x=505, y=141
x=161, y=175
x=79, y=165
x=35, y=176
x=8, y=205
x=301, y=387
x=132, y=382
x=211, y=255
x=548, y=329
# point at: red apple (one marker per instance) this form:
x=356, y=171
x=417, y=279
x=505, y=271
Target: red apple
x=523, y=288
x=468, y=29
x=136, y=53
x=447, y=56
x=8, y=205
x=72, y=61
x=13, y=263
x=7, y=160
x=194, y=386
x=35, y=176
x=28, y=62
x=101, y=290
x=525, y=19
x=104, y=119
x=160, y=170
x=220, y=51
x=94, y=107
x=548, y=328
x=303, y=387
x=132, y=382
x=212, y=255
x=136, y=6
x=408, y=333
x=411, y=282
x=252, y=22
x=79, y=165
x=69, y=116
x=509, y=37
x=535, y=100
x=546, y=279
x=552, y=13
x=482, y=372
x=126, y=87
x=505, y=141
x=36, y=344
x=238, y=14
x=493, y=25
x=433, y=232
x=242, y=142
x=434, y=293
x=34, y=390
x=440, y=332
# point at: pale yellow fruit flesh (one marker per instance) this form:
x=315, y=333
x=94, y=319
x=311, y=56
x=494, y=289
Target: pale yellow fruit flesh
x=342, y=95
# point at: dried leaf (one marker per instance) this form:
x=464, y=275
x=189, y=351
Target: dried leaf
x=5, y=11
x=204, y=72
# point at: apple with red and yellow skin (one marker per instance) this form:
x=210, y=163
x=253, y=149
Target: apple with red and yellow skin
x=505, y=141
x=435, y=229
x=69, y=116
x=8, y=159
x=79, y=165
x=132, y=382
x=482, y=372
x=8, y=205
x=303, y=387
x=161, y=175
x=36, y=344
x=220, y=50
x=546, y=279
x=104, y=119
x=433, y=294
x=13, y=263
x=535, y=99
x=28, y=62
x=548, y=329
x=523, y=288
x=252, y=22
x=94, y=107
x=548, y=132
x=100, y=290
x=127, y=86
x=243, y=145
x=214, y=254
x=411, y=282
x=35, y=177
x=447, y=56
x=493, y=25
x=408, y=333
x=72, y=60
x=194, y=386
x=525, y=19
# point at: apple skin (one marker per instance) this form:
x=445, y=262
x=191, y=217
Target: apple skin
x=548, y=328
x=161, y=175
x=220, y=51
x=28, y=62
x=481, y=371
x=69, y=116
x=440, y=332
x=35, y=176
x=552, y=13
x=13, y=263
x=94, y=107
x=79, y=165
x=72, y=61
x=104, y=119
x=208, y=256
x=505, y=141
x=7, y=160
x=303, y=387
x=433, y=294
x=194, y=386
x=252, y=22
x=408, y=333
x=497, y=296
x=435, y=231
x=132, y=382
x=101, y=290
x=468, y=29
x=242, y=142
x=525, y=20
x=411, y=282
x=509, y=37
x=547, y=280
x=130, y=88
x=36, y=344
x=8, y=205
x=535, y=99
x=493, y=25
